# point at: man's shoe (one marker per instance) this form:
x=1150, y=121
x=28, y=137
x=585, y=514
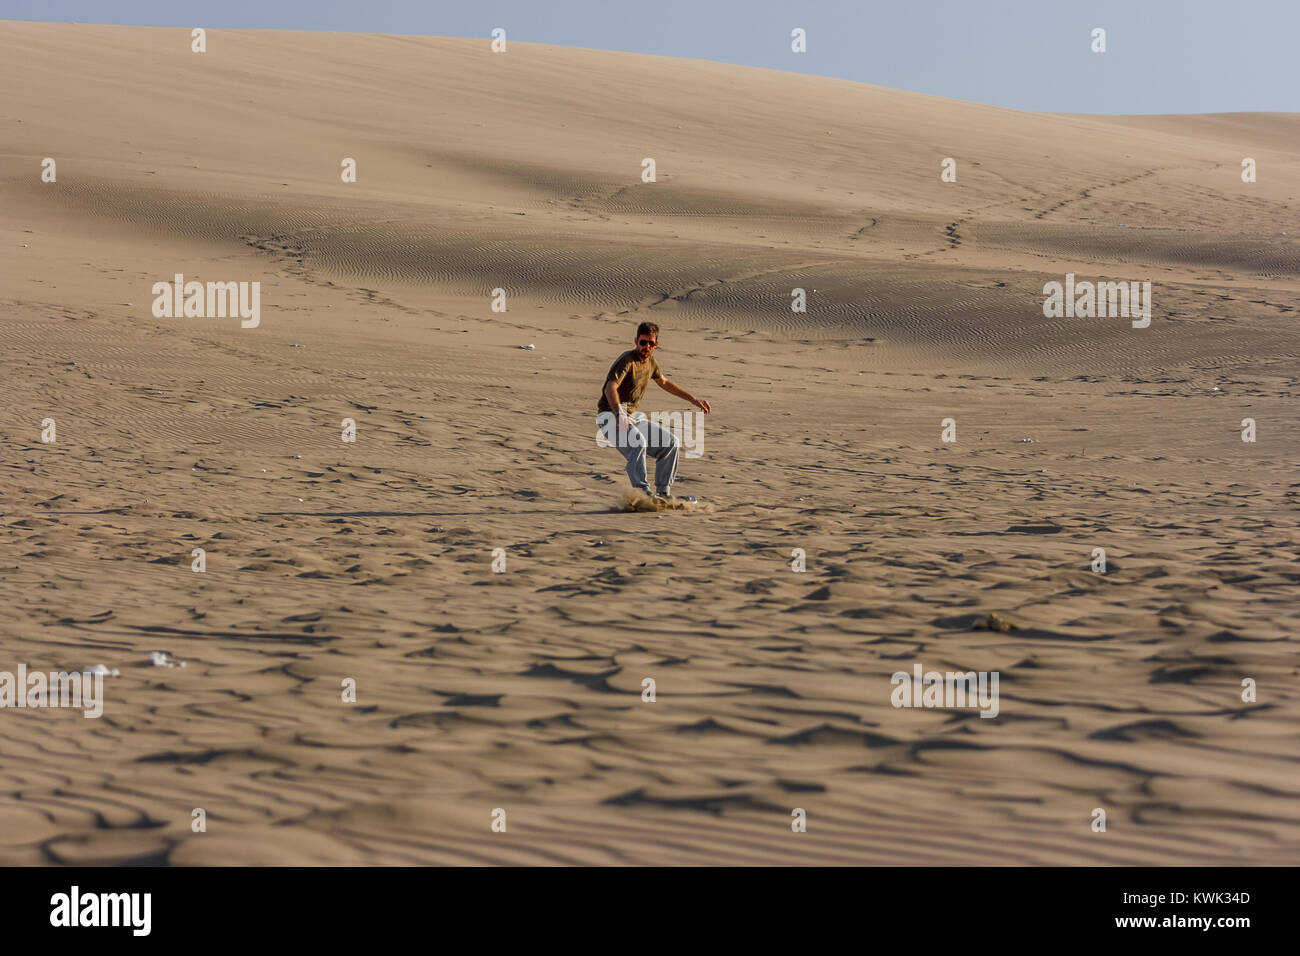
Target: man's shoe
x=673, y=500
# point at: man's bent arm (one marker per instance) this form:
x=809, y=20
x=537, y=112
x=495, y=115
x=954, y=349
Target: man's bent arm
x=611, y=396
x=672, y=388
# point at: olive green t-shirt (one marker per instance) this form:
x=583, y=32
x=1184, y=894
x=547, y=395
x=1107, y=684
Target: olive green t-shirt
x=632, y=377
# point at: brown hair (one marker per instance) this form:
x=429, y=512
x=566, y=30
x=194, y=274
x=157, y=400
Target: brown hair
x=648, y=328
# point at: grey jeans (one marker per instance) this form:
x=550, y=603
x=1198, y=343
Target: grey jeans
x=646, y=439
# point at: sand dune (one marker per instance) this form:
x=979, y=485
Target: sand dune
x=522, y=690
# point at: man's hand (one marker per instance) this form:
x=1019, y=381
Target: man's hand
x=702, y=405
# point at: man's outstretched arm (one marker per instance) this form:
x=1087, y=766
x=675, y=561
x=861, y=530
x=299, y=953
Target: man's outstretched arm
x=672, y=388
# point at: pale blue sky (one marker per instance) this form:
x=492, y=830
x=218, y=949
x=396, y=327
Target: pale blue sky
x=1163, y=56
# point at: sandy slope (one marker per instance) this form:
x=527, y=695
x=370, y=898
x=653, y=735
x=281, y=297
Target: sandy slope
x=521, y=690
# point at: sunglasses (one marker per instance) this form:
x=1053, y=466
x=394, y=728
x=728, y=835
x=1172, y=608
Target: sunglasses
x=644, y=342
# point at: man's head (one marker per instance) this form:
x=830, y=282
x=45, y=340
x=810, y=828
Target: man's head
x=647, y=339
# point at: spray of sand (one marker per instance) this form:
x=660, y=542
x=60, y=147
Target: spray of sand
x=640, y=501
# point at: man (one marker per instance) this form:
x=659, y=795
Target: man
x=635, y=436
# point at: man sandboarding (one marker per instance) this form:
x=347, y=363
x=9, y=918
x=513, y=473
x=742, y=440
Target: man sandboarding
x=633, y=434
